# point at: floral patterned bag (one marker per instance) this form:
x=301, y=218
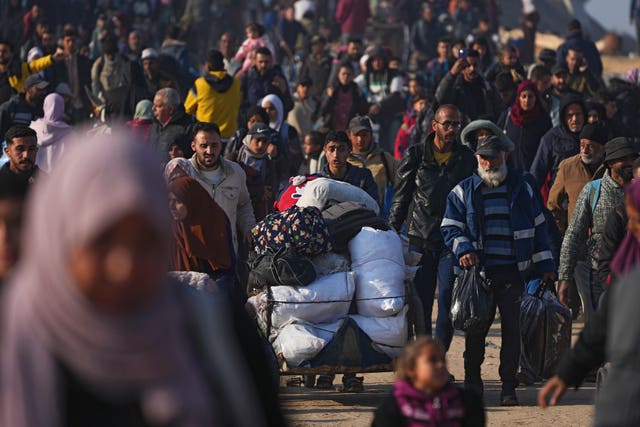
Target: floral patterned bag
x=302, y=229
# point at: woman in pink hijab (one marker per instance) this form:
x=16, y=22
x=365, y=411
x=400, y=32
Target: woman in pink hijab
x=93, y=331
x=52, y=132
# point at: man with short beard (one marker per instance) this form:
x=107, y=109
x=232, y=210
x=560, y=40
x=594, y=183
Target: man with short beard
x=559, y=88
x=22, y=148
x=425, y=176
x=493, y=220
x=225, y=180
x=575, y=171
x=596, y=201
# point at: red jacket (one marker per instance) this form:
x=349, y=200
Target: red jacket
x=353, y=15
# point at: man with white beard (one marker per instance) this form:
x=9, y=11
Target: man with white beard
x=493, y=220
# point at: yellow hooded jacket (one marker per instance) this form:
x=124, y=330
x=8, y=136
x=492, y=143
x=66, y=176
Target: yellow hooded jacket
x=215, y=98
x=21, y=70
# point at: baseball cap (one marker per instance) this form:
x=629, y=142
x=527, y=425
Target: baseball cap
x=149, y=53
x=359, y=123
x=259, y=131
x=491, y=146
x=35, y=80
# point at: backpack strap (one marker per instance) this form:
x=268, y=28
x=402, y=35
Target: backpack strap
x=594, y=193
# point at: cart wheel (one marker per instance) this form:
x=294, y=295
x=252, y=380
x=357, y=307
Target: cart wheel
x=309, y=381
x=416, y=316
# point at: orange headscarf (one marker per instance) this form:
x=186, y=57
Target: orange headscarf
x=203, y=236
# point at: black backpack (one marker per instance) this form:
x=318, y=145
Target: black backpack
x=345, y=220
x=282, y=267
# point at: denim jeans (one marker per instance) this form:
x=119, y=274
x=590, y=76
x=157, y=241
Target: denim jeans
x=436, y=269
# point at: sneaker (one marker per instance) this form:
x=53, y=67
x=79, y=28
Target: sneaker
x=353, y=385
x=509, y=398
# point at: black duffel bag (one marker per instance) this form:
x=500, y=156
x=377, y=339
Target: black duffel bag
x=282, y=267
x=345, y=220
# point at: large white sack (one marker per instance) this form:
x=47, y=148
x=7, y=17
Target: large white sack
x=330, y=263
x=326, y=299
x=376, y=280
x=298, y=342
x=388, y=333
x=371, y=244
x=321, y=191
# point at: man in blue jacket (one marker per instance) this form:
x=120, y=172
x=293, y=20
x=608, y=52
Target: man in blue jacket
x=494, y=220
x=575, y=39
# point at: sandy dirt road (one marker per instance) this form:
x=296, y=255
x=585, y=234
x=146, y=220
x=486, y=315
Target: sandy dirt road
x=310, y=407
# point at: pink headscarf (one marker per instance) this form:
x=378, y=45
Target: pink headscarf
x=628, y=254
x=46, y=320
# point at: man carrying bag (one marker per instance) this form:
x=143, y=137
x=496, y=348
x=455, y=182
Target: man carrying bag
x=493, y=220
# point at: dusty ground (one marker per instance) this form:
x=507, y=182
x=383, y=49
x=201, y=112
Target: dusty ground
x=309, y=407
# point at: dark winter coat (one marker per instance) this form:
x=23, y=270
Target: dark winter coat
x=256, y=86
x=588, y=48
x=176, y=131
x=526, y=139
x=421, y=191
x=477, y=99
x=556, y=145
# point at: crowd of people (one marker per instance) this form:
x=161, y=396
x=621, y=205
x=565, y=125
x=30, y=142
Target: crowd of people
x=483, y=152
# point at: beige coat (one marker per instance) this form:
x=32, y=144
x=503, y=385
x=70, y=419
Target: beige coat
x=373, y=162
x=572, y=176
x=232, y=196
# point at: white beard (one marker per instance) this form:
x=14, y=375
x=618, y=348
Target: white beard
x=494, y=178
x=589, y=161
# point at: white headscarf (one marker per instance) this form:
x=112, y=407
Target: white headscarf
x=277, y=103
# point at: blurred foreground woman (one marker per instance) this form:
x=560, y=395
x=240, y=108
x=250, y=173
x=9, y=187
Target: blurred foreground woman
x=93, y=333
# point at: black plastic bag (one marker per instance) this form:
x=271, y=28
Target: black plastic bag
x=545, y=327
x=472, y=302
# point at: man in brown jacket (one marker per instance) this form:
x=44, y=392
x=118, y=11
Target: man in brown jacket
x=576, y=171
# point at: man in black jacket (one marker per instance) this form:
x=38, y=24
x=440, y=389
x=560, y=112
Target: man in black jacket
x=263, y=79
x=426, y=175
x=465, y=87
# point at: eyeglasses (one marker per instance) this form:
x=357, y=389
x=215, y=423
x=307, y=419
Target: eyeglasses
x=449, y=124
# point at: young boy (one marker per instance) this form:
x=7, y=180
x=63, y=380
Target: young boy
x=314, y=157
x=259, y=168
